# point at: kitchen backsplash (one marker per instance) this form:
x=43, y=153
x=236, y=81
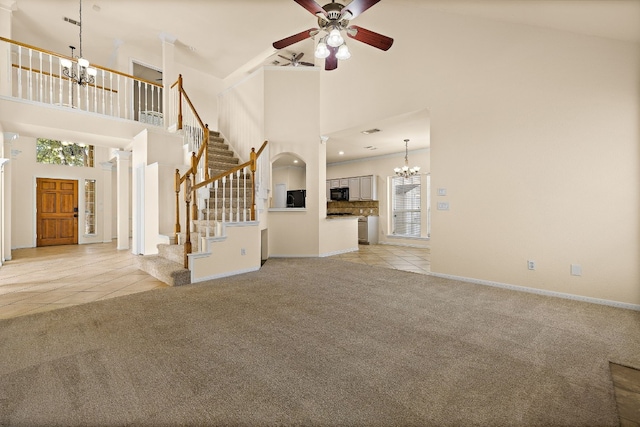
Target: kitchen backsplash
x=354, y=208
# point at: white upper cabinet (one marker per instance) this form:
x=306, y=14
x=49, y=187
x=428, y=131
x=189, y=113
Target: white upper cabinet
x=360, y=187
x=354, y=189
x=367, y=188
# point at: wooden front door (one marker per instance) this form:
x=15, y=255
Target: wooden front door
x=57, y=212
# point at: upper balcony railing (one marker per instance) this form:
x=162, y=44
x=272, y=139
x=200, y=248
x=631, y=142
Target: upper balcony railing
x=38, y=75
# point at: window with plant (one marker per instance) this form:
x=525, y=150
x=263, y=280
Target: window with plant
x=54, y=152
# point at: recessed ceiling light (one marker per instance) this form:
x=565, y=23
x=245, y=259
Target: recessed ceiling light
x=295, y=161
x=370, y=131
x=341, y=153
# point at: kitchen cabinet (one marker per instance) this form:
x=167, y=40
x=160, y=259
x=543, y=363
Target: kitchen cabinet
x=354, y=189
x=367, y=188
x=360, y=187
x=368, y=230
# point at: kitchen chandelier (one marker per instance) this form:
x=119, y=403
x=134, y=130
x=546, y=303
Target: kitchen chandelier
x=82, y=73
x=406, y=171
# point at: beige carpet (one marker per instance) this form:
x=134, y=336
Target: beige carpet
x=317, y=342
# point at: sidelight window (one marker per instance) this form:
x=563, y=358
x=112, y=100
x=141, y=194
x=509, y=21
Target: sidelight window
x=89, y=206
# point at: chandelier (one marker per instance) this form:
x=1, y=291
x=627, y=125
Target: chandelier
x=406, y=171
x=82, y=73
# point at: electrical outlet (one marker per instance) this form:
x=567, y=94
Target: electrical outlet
x=443, y=206
x=531, y=265
x=243, y=251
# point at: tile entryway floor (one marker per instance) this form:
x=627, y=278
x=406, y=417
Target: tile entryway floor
x=47, y=278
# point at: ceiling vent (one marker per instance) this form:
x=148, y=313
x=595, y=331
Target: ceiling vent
x=72, y=21
x=370, y=131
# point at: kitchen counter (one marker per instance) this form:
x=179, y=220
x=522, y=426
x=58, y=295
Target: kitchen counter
x=334, y=217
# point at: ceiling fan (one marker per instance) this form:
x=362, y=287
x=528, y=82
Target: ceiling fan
x=294, y=60
x=333, y=19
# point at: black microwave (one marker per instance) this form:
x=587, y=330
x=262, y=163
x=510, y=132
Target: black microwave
x=340, y=193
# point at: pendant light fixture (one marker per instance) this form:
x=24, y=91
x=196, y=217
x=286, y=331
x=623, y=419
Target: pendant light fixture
x=82, y=73
x=405, y=171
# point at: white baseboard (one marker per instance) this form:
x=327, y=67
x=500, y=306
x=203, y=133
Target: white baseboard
x=628, y=306
x=221, y=275
x=343, y=251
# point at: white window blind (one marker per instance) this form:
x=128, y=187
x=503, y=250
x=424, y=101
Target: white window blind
x=406, y=206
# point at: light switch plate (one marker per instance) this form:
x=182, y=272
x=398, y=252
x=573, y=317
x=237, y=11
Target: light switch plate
x=442, y=191
x=576, y=270
x=443, y=206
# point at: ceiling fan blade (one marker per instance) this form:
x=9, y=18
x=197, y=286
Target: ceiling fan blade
x=312, y=7
x=284, y=57
x=331, y=62
x=281, y=44
x=356, y=7
x=369, y=37
x=308, y=64
x=298, y=56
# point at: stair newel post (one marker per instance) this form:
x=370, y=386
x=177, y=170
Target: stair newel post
x=194, y=171
x=253, y=158
x=176, y=228
x=206, y=152
x=179, y=101
x=187, y=240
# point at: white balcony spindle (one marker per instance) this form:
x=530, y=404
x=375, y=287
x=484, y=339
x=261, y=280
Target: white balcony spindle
x=51, y=100
x=30, y=75
x=40, y=82
x=60, y=83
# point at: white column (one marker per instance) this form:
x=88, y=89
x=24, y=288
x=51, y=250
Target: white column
x=104, y=207
x=123, y=172
x=7, y=153
x=3, y=244
x=169, y=75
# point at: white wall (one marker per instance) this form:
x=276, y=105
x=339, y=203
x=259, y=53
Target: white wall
x=292, y=126
x=295, y=178
x=24, y=172
x=535, y=136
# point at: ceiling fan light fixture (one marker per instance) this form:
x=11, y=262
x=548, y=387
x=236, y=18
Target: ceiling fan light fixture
x=343, y=53
x=335, y=38
x=322, y=51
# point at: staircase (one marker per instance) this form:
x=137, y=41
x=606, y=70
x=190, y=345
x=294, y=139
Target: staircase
x=168, y=264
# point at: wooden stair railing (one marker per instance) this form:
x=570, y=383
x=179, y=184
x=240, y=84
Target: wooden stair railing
x=199, y=162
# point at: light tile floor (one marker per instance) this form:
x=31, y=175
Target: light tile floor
x=47, y=278
x=397, y=257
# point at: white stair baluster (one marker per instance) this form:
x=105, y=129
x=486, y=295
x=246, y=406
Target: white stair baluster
x=215, y=201
x=224, y=198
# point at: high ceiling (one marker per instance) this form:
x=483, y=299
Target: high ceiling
x=223, y=37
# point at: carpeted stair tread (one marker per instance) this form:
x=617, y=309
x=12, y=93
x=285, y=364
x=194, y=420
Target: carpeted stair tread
x=165, y=270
